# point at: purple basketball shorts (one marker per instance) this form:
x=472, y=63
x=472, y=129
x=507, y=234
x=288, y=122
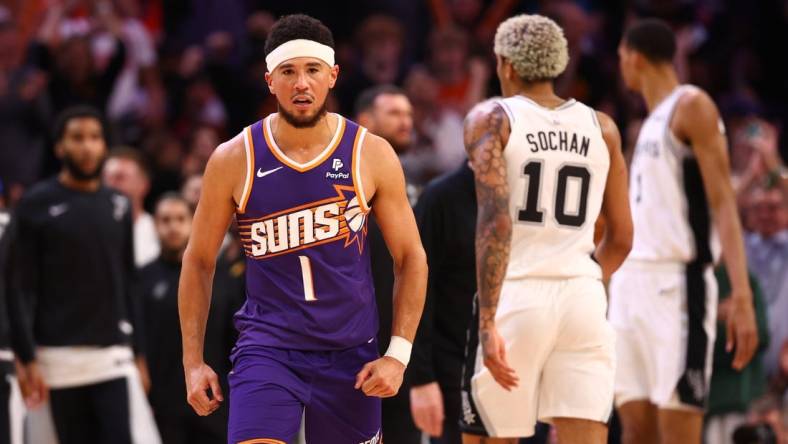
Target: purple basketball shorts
x=270, y=389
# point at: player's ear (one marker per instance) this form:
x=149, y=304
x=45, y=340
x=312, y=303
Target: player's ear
x=364, y=119
x=508, y=69
x=333, y=74
x=638, y=60
x=59, y=150
x=270, y=81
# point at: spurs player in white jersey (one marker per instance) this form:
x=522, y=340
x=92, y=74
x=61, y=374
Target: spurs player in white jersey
x=664, y=298
x=545, y=169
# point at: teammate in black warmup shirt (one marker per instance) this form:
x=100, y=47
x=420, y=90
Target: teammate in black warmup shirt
x=72, y=269
x=8, y=313
x=446, y=214
x=177, y=423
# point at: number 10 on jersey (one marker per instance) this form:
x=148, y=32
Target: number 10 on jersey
x=532, y=211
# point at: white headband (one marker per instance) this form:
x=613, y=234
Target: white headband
x=299, y=48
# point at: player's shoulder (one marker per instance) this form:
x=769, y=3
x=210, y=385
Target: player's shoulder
x=228, y=159
x=379, y=149
x=230, y=150
x=486, y=112
x=609, y=129
x=606, y=123
x=486, y=117
x=38, y=194
x=695, y=114
x=693, y=100
x=151, y=270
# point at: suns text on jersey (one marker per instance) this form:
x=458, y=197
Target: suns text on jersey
x=285, y=232
x=315, y=223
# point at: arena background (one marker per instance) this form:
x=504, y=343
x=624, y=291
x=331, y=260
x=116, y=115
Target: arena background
x=175, y=78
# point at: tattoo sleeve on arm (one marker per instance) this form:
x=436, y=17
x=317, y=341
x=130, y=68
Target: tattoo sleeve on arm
x=484, y=134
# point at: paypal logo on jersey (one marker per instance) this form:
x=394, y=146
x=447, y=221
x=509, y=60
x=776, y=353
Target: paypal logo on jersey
x=336, y=165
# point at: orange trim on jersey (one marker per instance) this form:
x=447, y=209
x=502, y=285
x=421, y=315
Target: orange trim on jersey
x=262, y=441
x=362, y=198
x=338, y=198
x=342, y=235
x=343, y=229
x=249, y=148
x=325, y=154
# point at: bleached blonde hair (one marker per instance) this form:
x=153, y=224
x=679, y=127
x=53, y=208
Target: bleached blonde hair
x=534, y=44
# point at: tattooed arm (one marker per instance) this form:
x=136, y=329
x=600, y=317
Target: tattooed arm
x=486, y=133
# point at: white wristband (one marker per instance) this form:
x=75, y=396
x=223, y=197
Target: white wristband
x=399, y=349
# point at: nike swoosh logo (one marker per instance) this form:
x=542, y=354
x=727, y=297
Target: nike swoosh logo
x=57, y=210
x=261, y=173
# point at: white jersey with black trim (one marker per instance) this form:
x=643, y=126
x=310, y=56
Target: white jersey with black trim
x=557, y=164
x=669, y=209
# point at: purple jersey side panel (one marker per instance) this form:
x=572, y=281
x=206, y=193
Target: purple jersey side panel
x=309, y=284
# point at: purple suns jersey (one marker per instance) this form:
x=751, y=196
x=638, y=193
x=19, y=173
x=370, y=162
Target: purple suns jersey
x=304, y=228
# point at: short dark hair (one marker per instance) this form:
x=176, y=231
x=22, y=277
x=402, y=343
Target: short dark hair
x=77, y=112
x=366, y=100
x=175, y=196
x=297, y=26
x=653, y=38
x=134, y=155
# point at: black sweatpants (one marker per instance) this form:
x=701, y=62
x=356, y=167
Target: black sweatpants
x=92, y=414
x=398, y=426
x=188, y=428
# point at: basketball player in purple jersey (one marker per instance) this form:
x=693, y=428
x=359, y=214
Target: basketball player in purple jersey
x=301, y=183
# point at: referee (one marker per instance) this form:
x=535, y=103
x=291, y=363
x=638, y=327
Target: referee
x=72, y=270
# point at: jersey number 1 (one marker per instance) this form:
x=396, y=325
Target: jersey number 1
x=306, y=275
x=532, y=213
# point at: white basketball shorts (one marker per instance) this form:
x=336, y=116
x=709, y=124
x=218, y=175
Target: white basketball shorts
x=665, y=319
x=562, y=348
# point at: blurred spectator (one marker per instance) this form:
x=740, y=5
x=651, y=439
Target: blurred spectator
x=167, y=155
x=127, y=171
x=204, y=140
x=732, y=391
x=63, y=51
x=442, y=92
x=765, y=423
x=462, y=81
x=24, y=110
x=755, y=156
x=385, y=111
x=192, y=186
x=193, y=99
x=478, y=16
x=138, y=96
x=438, y=145
x=586, y=76
x=159, y=289
x=767, y=253
x=380, y=39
